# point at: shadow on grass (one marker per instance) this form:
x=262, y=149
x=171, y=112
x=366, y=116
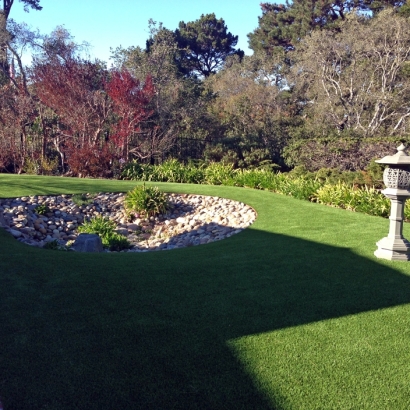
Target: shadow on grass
x=150, y=331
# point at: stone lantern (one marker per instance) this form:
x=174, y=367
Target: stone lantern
x=397, y=180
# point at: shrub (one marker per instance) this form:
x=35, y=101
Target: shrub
x=169, y=171
x=219, y=174
x=366, y=200
x=41, y=166
x=135, y=171
x=254, y=178
x=148, y=201
x=334, y=176
x=300, y=188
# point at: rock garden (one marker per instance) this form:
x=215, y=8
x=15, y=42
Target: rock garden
x=188, y=220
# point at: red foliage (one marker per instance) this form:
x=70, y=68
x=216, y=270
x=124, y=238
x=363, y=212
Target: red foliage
x=131, y=102
x=91, y=161
x=86, y=103
x=73, y=89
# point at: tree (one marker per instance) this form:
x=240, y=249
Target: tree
x=131, y=105
x=252, y=107
x=17, y=112
x=6, y=37
x=284, y=25
x=205, y=44
x=28, y=4
x=58, y=45
x=74, y=90
x=358, y=79
x=353, y=86
x=179, y=104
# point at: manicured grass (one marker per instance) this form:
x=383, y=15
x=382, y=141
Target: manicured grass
x=293, y=313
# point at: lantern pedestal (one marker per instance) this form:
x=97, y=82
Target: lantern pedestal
x=397, y=180
x=394, y=246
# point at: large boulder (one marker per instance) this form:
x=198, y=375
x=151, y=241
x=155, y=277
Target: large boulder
x=88, y=242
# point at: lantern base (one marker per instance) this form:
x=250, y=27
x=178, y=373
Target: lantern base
x=397, y=249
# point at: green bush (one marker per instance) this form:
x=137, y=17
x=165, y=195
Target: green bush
x=174, y=171
x=219, y=174
x=135, y=171
x=169, y=171
x=148, y=201
x=300, y=188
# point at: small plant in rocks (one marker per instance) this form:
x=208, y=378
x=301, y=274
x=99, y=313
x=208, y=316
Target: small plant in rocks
x=104, y=227
x=42, y=209
x=82, y=199
x=116, y=242
x=98, y=225
x=54, y=245
x=147, y=201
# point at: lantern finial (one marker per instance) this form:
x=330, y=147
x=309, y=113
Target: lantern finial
x=401, y=149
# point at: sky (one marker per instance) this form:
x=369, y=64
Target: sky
x=112, y=23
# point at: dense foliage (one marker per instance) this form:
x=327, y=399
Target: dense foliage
x=328, y=86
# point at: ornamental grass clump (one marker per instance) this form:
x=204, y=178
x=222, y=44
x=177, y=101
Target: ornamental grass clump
x=146, y=201
x=174, y=171
x=99, y=225
x=366, y=200
x=82, y=199
x=116, y=242
x=220, y=174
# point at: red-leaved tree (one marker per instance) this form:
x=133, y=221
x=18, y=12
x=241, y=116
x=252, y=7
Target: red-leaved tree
x=131, y=101
x=74, y=90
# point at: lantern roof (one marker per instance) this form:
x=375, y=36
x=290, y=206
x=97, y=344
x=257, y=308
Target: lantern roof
x=400, y=158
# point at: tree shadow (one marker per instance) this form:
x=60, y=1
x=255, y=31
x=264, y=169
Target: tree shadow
x=151, y=331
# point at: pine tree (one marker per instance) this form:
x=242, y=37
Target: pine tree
x=205, y=45
x=283, y=26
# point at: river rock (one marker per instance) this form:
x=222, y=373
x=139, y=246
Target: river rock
x=88, y=242
x=191, y=220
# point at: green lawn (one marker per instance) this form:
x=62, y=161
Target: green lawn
x=293, y=313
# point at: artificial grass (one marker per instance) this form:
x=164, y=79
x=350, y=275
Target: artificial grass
x=293, y=313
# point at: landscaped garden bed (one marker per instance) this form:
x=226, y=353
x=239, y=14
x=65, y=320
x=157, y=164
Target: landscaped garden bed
x=189, y=220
